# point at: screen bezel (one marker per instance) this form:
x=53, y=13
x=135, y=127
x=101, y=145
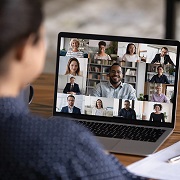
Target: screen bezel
x=119, y=39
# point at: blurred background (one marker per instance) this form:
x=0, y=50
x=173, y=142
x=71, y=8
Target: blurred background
x=136, y=18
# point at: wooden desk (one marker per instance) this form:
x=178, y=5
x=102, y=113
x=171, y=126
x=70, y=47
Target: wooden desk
x=43, y=102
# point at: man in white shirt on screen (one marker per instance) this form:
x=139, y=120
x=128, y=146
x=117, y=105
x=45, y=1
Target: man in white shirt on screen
x=114, y=88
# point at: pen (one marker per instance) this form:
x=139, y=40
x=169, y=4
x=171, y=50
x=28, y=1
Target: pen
x=174, y=159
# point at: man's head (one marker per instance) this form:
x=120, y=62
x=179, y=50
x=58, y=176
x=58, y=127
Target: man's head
x=72, y=79
x=160, y=70
x=70, y=100
x=159, y=89
x=127, y=104
x=115, y=74
x=164, y=51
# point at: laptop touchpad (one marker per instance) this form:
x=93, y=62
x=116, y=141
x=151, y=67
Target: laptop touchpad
x=108, y=143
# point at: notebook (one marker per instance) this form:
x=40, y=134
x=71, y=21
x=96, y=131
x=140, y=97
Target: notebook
x=123, y=89
x=157, y=165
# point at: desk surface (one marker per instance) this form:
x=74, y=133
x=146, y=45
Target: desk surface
x=42, y=104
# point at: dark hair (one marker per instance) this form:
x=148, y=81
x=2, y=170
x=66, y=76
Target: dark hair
x=164, y=48
x=18, y=19
x=159, y=67
x=127, y=101
x=115, y=64
x=127, y=49
x=70, y=96
x=101, y=103
x=72, y=77
x=101, y=43
x=158, y=105
x=68, y=66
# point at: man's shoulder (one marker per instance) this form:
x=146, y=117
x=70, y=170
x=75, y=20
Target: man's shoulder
x=163, y=75
x=76, y=107
x=126, y=85
x=65, y=107
x=167, y=55
x=131, y=109
x=102, y=84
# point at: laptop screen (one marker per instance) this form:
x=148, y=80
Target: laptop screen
x=119, y=79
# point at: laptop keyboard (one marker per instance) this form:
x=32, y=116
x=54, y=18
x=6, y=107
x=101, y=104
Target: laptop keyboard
x=123, y=131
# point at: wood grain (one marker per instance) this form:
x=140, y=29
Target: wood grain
x=42, y=104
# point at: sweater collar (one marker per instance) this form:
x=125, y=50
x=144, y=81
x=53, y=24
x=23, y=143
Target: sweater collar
x=10, y=105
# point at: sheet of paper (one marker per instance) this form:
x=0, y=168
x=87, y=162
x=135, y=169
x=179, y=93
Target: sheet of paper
x=156, y=165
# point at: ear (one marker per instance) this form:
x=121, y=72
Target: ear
x=21, y=46
x=121, y=76
x=20, y=50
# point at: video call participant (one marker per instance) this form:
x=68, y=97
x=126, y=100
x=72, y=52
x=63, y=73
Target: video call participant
x=114, y=88
x=127, y=112
x=131, y=55
x=72, y=87
x=157, y=116
x=71, y=108
x=98, y=110
x=33, y=147
x=101, y=54
x=163, y=57
x=160, y=77
x=73, y=67
x=74, y=51
x=158, y=96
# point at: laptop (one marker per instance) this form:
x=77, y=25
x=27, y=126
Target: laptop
x=130, y=106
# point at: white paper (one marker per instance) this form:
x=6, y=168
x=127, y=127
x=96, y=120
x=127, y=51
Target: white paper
x=156, y=165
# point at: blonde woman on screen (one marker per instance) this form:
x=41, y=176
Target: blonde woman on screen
x=74, y=50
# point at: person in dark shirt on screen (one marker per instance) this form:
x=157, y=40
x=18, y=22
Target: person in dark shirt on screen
x=71, y=108
x=127, y=112
x=157, y=116
x=72, y=87
x=160, y=77
x=163, y=57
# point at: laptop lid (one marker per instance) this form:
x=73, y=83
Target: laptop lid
x=147, y=92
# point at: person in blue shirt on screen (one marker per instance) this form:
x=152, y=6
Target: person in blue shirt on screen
x=114, y=88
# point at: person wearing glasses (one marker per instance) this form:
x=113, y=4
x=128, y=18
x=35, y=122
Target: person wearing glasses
x=114, y=88
x=71, y=108
x=101, y=53
x=163, y=57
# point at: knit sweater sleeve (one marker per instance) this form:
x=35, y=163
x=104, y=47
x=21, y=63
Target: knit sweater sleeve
x=87, y=159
